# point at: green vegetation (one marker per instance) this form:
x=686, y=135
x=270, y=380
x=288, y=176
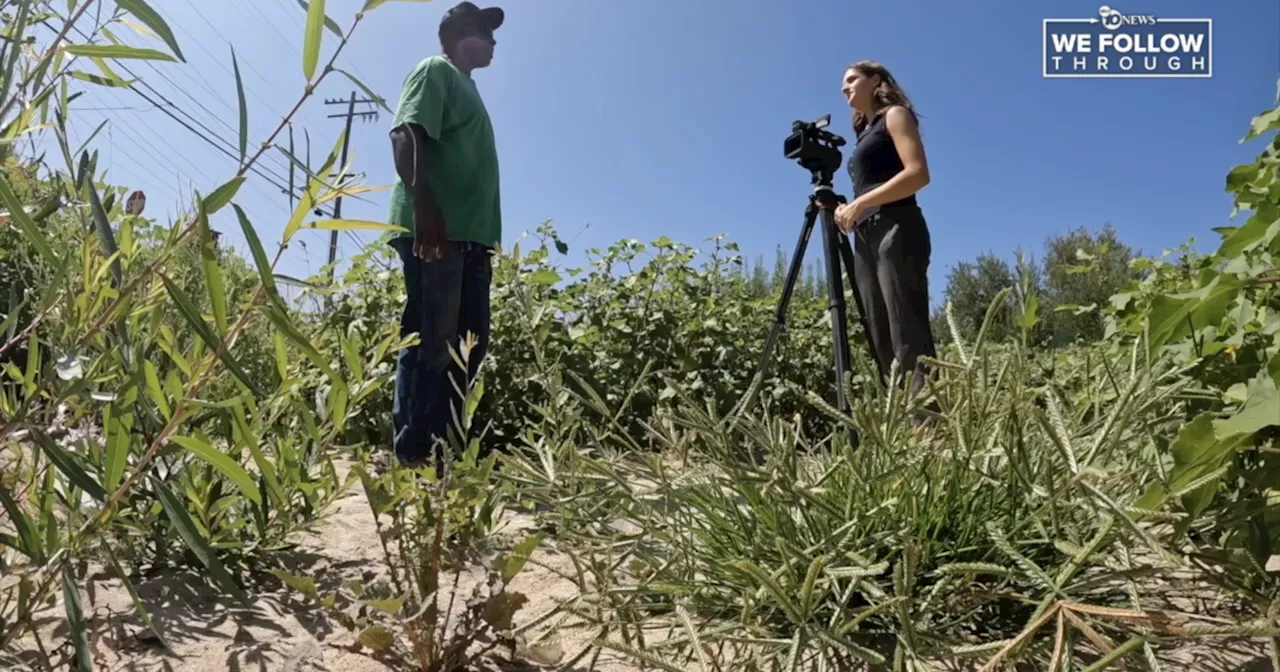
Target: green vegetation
x=1105, y=445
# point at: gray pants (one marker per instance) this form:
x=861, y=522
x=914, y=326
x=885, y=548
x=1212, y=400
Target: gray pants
x=892, y=250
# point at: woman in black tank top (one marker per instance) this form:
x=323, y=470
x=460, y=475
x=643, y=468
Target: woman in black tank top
x=891, y=238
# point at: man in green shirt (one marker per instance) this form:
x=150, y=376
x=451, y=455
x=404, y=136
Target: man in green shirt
x=447, y=197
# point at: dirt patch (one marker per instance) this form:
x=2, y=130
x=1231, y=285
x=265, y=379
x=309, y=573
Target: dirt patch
x=206, y=631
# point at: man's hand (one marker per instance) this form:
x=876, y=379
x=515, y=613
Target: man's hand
x=430, y=239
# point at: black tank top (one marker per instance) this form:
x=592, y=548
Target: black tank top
x=874, y=160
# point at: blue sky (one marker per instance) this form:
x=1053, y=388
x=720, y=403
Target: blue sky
x=622, y=119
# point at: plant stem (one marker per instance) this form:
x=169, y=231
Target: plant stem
x=180, y=412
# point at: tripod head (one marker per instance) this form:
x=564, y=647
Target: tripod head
x=815, y=149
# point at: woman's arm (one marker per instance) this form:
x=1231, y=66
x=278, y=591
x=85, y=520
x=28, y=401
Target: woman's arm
x=915, y=168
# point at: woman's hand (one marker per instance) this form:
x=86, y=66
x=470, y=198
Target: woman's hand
x=847, y=215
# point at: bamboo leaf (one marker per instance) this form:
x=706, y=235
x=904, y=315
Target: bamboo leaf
x=382, y=102
x=371, y=5
x=191, y=536
x=85, y=144
x=18, y=30
x=152, y=19
x=312, y=38
x=353, y=225
x=328, y=22
x=77, y=627
x=283, y=323
x=310, y=199
x=339, y=192
x=118, y=446
x=244, y=108
x=222, y=195
x=102, y=81
x=212, y=274
x=116, y=51
x=69, y=468
x=20, y=217
x=155, y=390
x=223, y=463
x=30, y=541
x=259, y=256
x=249, y=440
x=139, y=29
x=138, y=605
x=192, y=315
x=103, y=226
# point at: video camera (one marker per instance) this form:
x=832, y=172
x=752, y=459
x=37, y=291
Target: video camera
x=814, y=148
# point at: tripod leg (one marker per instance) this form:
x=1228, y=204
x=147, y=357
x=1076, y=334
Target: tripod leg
x=835, y=290
x=793, y=274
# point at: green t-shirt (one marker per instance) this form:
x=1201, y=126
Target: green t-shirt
x=462, y=161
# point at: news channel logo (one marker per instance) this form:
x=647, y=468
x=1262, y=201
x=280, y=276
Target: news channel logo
x=1118, y=45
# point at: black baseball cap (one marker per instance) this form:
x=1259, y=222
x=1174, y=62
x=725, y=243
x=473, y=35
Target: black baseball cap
x=463, y=12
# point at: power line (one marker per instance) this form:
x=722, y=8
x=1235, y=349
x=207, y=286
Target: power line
x=350, y=114
x=184, y=124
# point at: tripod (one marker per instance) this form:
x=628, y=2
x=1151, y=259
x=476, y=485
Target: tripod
x=817, y=150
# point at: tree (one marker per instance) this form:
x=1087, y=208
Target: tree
x=1082, y=270
x=759, y=282
x=971, y=288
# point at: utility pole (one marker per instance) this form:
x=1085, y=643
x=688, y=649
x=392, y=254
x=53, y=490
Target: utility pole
x=346, y=139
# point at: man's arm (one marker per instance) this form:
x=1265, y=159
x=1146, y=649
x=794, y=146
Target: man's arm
x=409, y=146
x=418, y=121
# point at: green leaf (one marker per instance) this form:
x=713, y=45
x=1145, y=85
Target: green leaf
x=328, y=22
x=545, y=276
x=378, y=638
x=308, y=201
x=223, y=463
x=1260, y=410
x=77, y=626
x=371, y=5
x=155, y=390
x=17, y=31
x=198, y=544
x=192, y=315
x=259, y=256
x=244, y=108
x=69, y=468
x=249, y=440
x=1263, y=123
x=382, y=102
x=22, y=523
x=1173, y=316
x=105, y=235
x=222, y=195
x=116, y=51
x=103, y=81
x=353, y=225
x=284, y=324
x=312, y=38
x=515, y=561
x=212, y=274
x=119, y=443
x=388, y=607
x=138, y=604
x=303, y=584
x=18, y=215
x=152, y=19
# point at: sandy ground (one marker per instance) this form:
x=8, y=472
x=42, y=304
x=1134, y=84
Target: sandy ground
x=285, y=633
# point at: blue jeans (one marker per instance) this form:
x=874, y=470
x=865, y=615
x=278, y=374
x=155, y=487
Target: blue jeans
x=447, y=299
